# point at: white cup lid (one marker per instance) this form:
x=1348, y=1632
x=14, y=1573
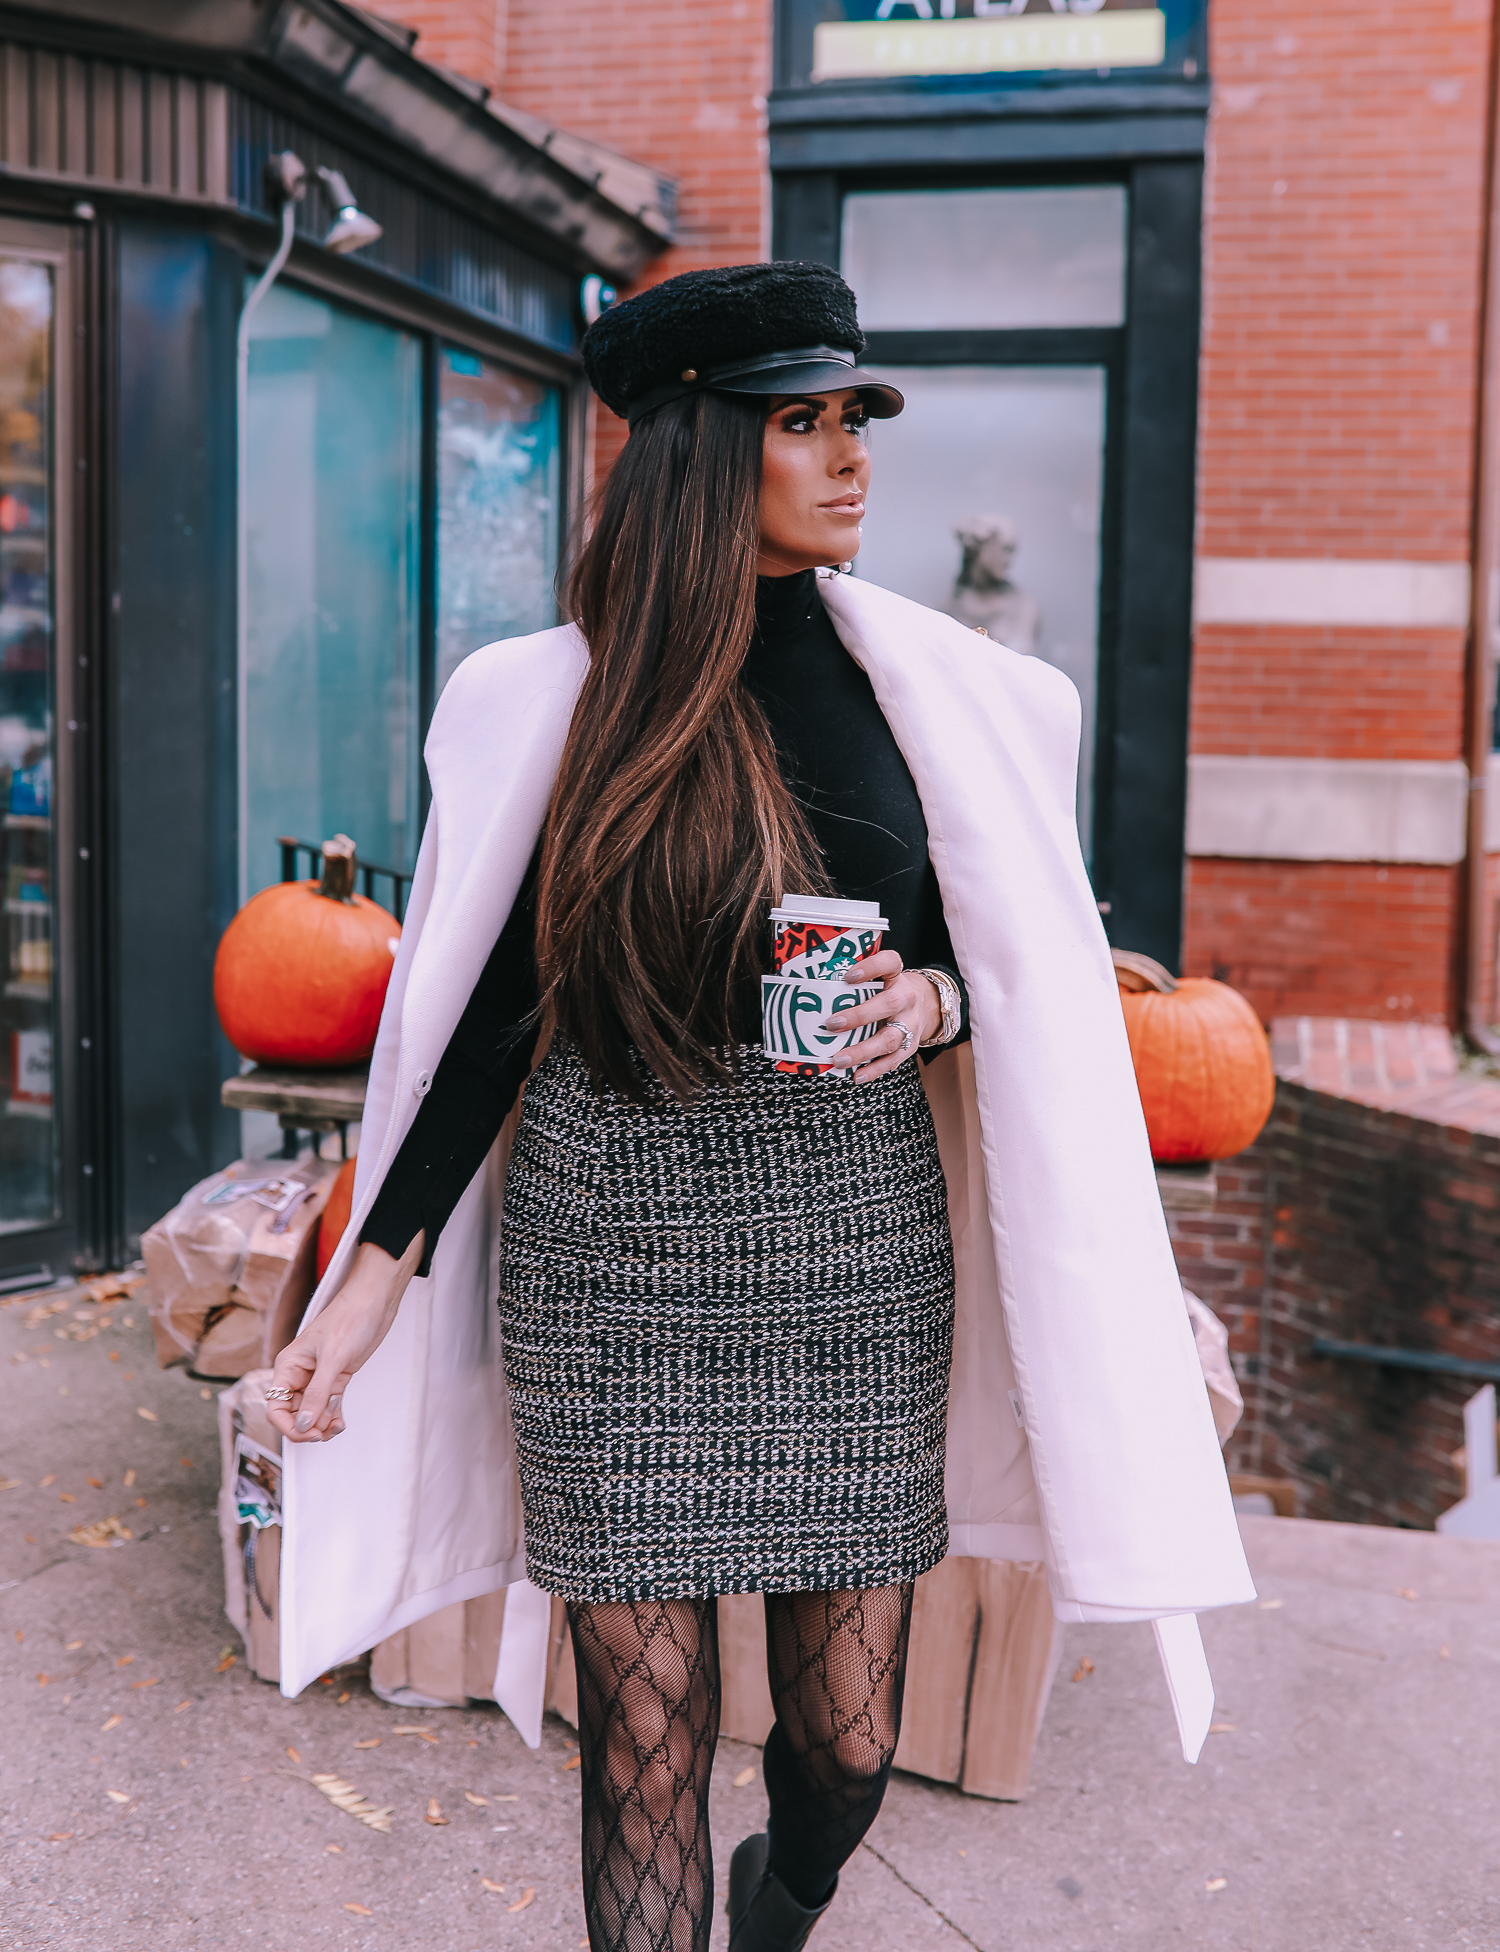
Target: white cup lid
x=822, y=908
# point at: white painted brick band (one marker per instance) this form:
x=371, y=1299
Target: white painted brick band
x=1330, y=809
x=1315, y=590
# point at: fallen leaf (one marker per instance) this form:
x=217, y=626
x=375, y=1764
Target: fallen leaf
x=345, y=1696
x=155, y=1679
x=130, y=1477
x=745, y=1776
x=140, y=1504
x=114, y=1355
x=180, y=1706
x=411, y=1728
x=101, y=1532
x=43, y=1679
x=9, y=1484
x=113, y=1722
x=30, y=1540
x=482, y=1801
x=61, y=1836
x=324, y=1680
x=1406, y=1592
x=124, y=1660
x=149, y=1415
x=186, y=1463
x=1085, y=1666
x=294, y=1755
x=1221, y=1728
x=67, y=1498
x=522, y=1902
x=1442, y=1653
x=1216, y=1884
x=434, y=1811
x=51, y=1478
x=335, y=1850
x=117, y=1796
x=19, y=1634
x=572, y=1762
x=97, y=1483
x=488, y=1884
x=225, y=1664
x=363, y=1911
x=72, y=1646
x=346, y=1797
x=507, y=1799
x=1269, y=1606
x=370, y=1742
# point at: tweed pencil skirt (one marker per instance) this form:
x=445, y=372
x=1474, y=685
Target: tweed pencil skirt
x=727, y=1332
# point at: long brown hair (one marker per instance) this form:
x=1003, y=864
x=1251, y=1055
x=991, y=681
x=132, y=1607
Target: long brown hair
x=671, y=828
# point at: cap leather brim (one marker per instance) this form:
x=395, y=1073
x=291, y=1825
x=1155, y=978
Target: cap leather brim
x=808, y=376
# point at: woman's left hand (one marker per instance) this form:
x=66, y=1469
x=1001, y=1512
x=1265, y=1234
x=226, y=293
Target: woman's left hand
x=907, y=998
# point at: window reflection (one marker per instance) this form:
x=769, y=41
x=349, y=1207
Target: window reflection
x=498, y=502
x=989, y=259
x=331, y=694
x=1000, y=469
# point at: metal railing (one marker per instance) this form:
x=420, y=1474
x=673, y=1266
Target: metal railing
x=366, y=871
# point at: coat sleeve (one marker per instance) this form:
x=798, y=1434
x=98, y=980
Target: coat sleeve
x=475, y=1085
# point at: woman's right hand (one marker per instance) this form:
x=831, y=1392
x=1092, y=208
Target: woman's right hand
x=319, y=1365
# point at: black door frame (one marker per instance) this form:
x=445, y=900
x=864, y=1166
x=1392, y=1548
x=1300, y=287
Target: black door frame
x=1146, y=568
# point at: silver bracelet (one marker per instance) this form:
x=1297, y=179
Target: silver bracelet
x=950, y=1002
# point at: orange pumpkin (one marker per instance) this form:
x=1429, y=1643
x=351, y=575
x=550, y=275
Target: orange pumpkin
x=302, y=970
x=335, y=1216
x=1202, y=1061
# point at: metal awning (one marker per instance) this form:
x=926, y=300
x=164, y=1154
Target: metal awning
x=141, y=95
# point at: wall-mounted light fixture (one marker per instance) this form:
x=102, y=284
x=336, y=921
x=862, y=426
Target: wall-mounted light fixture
x=351, y=229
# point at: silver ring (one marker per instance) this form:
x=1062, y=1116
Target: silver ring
x=276, y=1394
x=907, y=1040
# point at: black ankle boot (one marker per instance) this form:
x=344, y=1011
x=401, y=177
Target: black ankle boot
x=763, y=1914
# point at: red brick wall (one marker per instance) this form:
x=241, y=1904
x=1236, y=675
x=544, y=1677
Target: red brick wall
x=465, y=35
x=1344, y=206
x=1327, y=938
x=1383, y=1230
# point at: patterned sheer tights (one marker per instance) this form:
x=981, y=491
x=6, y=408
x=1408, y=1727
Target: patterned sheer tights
x=648, y=1721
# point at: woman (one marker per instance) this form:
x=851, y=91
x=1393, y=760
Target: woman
x=726, y=1294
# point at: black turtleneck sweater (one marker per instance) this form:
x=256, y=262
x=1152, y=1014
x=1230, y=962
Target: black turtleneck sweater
x=842, y=765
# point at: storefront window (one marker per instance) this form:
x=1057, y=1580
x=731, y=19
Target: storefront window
x=499, y=488
x=331, y=696
x=1012, y=458
x=923, y=260
x=29, y=1185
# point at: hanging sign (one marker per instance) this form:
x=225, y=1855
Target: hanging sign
x=879, y=38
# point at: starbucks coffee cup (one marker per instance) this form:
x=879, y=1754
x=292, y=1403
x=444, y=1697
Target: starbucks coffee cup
x=800, y=1022
x=817, y=938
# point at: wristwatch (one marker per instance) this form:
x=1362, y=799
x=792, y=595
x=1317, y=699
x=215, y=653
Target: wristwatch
x=951, y=1003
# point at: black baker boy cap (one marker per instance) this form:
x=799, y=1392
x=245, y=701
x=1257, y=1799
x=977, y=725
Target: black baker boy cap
x=744, y=328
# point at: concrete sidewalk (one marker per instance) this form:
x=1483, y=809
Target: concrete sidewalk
x=150, y=1802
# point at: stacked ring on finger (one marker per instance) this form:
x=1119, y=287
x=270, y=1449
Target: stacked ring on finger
x=907, y=1040
x=278, y=1394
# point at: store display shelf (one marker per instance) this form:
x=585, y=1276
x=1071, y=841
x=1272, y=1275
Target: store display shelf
x=29, y=992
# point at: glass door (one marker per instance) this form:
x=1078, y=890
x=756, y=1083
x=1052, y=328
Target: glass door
x=999, y=313
x=31, y=1191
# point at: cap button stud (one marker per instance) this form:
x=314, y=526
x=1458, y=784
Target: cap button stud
x=690, y=374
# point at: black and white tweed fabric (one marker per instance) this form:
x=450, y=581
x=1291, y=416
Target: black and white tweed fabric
x=727, y=1333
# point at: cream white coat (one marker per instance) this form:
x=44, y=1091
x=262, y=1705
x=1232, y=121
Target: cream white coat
x=1068, y=1299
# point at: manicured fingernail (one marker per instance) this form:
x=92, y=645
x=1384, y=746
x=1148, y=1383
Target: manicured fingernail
x=334, y=1401
x=304, y=1422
